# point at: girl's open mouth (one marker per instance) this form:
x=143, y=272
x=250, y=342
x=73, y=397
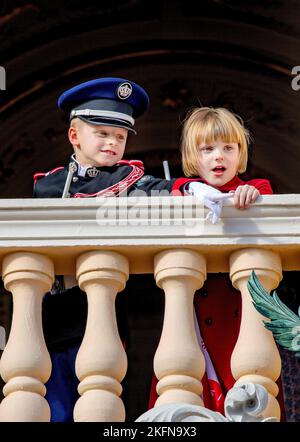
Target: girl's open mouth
x=219, y=170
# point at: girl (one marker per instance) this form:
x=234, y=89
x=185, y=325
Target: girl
x=214, y=151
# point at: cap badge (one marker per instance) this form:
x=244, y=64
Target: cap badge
x=92, y=172
x=124, y=91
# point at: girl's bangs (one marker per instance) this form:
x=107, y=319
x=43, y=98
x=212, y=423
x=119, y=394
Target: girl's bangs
x=214, y=130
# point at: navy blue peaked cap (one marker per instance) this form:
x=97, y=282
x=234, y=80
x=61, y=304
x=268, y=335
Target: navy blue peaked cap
x=106, y=101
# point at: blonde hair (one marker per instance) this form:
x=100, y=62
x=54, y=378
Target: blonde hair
x=76, y=122
x=208, y=124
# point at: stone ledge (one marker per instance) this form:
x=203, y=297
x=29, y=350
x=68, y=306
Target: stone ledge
x=141, y=227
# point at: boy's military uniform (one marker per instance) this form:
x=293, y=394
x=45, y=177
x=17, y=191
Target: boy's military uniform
x=108, y=102
x=122, y=179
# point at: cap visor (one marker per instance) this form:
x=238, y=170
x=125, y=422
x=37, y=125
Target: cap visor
x=106, y=122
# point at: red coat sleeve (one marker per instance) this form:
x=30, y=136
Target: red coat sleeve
x=263, y=186
x=179, y=183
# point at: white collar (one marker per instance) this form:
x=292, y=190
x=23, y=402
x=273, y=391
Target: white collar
x=81, y=170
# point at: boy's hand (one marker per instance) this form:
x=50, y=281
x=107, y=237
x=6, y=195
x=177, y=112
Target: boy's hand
x=244, y=196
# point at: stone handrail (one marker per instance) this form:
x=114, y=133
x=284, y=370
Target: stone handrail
x=51, y=226
x=101, y=241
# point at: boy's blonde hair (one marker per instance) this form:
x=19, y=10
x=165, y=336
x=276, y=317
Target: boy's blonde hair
x=208, y=124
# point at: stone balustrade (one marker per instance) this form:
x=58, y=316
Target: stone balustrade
x=255, y=357
x=179, y=363
x=101, y=361
x=25, y=364
x=102, y=242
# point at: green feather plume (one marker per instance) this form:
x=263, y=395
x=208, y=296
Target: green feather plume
x=284, y=323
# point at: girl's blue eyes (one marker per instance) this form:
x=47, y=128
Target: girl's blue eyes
x=210, y=148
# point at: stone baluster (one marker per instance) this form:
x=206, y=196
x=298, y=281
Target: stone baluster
x=255, y=357
x=25, y=364
x=101, y=363
x=179, y=363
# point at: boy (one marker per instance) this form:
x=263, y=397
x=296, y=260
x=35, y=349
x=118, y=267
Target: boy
x=102, y=113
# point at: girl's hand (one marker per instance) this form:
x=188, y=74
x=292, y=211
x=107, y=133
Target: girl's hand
x=244, y=196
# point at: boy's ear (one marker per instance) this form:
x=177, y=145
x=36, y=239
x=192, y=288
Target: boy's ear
x=73, y=135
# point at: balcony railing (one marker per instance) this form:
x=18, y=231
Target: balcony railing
x=102, y=242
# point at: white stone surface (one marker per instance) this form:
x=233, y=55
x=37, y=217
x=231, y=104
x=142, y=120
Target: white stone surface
x=244, y=403
x=147, y=225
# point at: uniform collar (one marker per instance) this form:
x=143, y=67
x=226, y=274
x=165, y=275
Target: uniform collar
x=85, y=171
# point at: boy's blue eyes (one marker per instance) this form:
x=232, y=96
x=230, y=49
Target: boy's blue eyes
x=105, y=134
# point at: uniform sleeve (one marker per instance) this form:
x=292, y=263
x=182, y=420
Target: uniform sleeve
x=263, y=186
x=150, y=186
x=39, y=189
x=35, y=193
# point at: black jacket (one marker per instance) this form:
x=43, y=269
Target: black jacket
x=124, y=178
x=65, y=313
